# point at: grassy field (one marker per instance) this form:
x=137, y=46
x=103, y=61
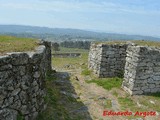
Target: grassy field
x=14, y=44
x=71, y=50
x=71, y=62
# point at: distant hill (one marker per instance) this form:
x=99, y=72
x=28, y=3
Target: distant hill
x=61, y=34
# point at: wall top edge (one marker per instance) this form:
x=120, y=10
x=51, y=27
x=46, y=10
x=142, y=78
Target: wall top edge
x=38, y=50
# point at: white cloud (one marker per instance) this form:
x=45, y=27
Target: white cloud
x=76, y=6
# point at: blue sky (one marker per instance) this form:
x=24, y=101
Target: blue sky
x=115, y=16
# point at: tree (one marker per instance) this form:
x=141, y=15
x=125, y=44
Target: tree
x=55, y=46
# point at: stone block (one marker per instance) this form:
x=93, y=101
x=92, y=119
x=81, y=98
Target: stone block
x=19, y=58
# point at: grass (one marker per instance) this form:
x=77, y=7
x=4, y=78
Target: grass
x=59, y=105
x=20, y=117
x=107, y=104
x=14, y=44
x=111, y=42
x=86, y=72
x=107, y=83
x=72, y=61
x=54, y=110
x=151, y=97
x=148, y=43
x=115, y=93
x=126, y=103
x=138, y=42
x=62, y=62
x=71, y=50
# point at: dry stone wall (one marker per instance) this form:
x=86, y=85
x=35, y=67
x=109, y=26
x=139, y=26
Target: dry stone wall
x=94, y=59
x=142, y=70
x=140, y=65
x=22, y=82
x=107, y=60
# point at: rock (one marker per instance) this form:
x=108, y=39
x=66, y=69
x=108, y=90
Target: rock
x=22, y=70
x=36, y=75
x=81, y=109
x=114, y=105
x=34, y=83
x=34, y=115
x=76, y=78
x=152, y=102
x=16, y=91
x=24, y=109
x=102, y=98
x=24, y=87
x=2, y=97
x=19, y=58
x=6, y=67
x=8, y=114
x=61, y=82
x=70, y=94
x=16, y=104
x=137, y=119
x=22, y=82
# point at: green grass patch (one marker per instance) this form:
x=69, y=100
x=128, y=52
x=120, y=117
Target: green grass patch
x=72, y=61
x=126, y=103
x=157, y=95
x=146, y=101
x=108, y=83
x=86, y=72
x=71, y=50
x=20, y=116
x=115, y=93
x=14, y=44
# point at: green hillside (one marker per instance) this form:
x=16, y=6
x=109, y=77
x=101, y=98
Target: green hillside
x=14, y=44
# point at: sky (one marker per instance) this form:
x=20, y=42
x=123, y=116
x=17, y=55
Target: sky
x=140, y=17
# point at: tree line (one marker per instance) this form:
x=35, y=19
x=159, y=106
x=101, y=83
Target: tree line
x=76, y=44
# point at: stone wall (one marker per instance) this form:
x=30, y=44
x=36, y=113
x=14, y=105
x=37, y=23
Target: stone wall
x=140, y=65
x=107, y=60
x=94, y=59
x=142, y=70
x=22, y=83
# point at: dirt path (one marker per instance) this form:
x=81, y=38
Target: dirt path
x=87, y=101
x=94, y=98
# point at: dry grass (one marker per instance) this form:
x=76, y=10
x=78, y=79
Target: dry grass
x=138, y=42
x=14, y=44
x=147, y=43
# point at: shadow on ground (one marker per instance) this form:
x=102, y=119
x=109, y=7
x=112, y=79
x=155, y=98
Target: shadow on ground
x=63, y=103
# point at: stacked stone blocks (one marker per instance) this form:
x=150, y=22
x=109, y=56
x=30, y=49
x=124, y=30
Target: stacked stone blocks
x=140, y=65
x=22, y=83
x=142, y=70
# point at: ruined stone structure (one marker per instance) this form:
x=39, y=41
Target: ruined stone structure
x=22, y=83
x=140, y=65
x=107, y=60
x=142, y=70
